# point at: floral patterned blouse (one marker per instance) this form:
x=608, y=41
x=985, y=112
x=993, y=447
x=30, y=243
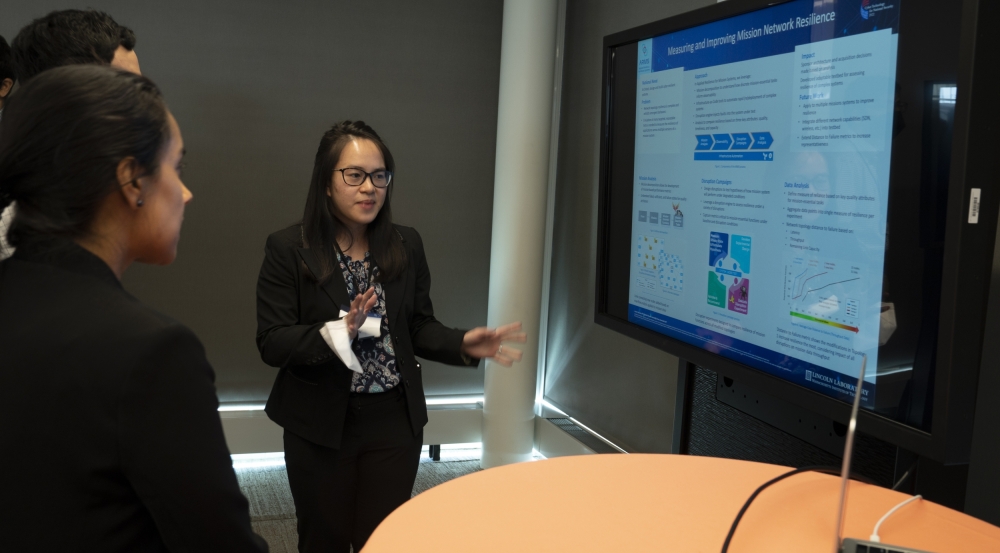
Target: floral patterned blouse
x=376, y=355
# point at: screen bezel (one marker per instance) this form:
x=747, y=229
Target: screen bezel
x=962, y=309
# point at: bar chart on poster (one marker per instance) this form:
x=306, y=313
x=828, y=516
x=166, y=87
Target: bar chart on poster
x=762, y=149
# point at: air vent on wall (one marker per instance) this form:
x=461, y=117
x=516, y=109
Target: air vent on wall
x=596, y=444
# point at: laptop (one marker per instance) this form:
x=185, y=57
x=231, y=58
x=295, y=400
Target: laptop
x=853, y=545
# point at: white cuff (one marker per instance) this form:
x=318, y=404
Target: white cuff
x=372, y=327
x=335, y=335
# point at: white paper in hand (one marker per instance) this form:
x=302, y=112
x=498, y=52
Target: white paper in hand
x=335, y=335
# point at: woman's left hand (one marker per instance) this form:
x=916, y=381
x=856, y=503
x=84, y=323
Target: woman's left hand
x=486, y=342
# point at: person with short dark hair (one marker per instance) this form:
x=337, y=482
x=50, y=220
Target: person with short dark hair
x=108, y=411
x=64, y=38
x=68, y=37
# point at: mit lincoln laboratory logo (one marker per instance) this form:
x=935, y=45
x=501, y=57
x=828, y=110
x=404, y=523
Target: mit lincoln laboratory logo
x=809, y=376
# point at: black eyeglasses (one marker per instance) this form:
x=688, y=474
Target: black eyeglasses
x=356, y=177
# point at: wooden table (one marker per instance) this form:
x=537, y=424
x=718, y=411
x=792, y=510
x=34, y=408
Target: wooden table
x=660, y=503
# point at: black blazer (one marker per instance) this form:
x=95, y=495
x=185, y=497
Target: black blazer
x=110, y=437
x=310, y=394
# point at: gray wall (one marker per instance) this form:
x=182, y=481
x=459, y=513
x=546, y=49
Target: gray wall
x=254, y=84
x=617, y=386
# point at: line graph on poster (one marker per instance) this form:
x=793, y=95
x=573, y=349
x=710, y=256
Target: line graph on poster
x=825, y=291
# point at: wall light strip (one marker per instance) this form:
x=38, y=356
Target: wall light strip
x=462, y=446
x=258, y=464
x=241, y=407
x=258, y=460
x=454, y=400
x=445, y=400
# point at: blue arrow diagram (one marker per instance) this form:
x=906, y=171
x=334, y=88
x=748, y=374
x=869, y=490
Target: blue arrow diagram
x=722, y=141
x=741, y=140
x=762, y=140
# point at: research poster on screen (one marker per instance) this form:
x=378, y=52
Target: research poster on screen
x=762, y=154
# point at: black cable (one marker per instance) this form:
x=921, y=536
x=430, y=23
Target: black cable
x=906, y=475
x=823, y=469
x=900, y=481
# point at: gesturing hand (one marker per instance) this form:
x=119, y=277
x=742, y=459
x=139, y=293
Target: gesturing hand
x=361, y=305
x=485, y=342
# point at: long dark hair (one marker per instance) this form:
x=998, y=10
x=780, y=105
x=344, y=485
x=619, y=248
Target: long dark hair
x=320, y=227
x=62, y=137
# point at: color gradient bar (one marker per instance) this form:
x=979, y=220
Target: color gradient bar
x=853, y=329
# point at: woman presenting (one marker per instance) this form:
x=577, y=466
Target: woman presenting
x=343, y=308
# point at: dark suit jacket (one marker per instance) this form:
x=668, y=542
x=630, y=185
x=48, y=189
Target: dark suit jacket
x=110, y=438
x=310, y=394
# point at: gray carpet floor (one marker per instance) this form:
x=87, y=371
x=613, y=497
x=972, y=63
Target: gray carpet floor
x=272, y=511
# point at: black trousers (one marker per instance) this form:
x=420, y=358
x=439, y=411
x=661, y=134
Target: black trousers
x=341, y=495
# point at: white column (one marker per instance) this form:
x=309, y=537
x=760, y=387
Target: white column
x=524, y=115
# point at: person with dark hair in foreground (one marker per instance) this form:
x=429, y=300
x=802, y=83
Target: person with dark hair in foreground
x=108, y=412
x=349, y=394
x=64, y=38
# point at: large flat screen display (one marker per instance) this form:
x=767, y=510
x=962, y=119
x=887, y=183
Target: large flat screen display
x=761, y=187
